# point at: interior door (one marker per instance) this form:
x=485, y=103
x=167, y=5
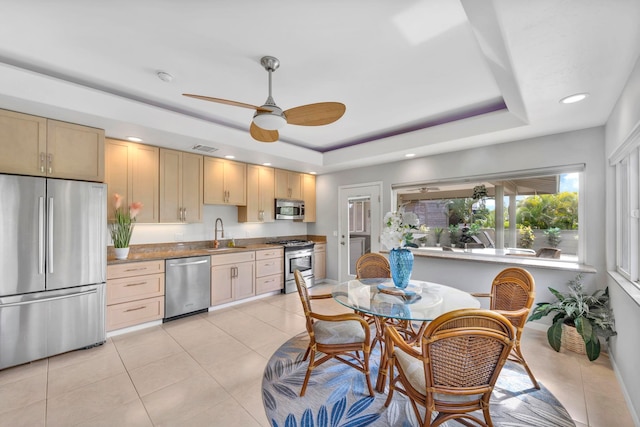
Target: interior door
x=363, y=200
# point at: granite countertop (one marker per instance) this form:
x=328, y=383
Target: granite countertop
x=162, y=251
x=183, y=251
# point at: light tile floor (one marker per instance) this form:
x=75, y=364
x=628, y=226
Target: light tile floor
x=206, y=370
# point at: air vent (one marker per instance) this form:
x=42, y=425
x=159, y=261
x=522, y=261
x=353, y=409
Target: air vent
x=204, y=148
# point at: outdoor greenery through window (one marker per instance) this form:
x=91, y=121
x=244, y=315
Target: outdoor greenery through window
x=535, y=216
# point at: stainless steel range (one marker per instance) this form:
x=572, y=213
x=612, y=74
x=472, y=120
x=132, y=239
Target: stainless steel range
x=298, y=255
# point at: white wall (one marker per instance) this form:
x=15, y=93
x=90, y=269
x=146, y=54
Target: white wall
x=624, y=347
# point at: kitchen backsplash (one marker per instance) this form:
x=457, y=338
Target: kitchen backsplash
x=160, y=233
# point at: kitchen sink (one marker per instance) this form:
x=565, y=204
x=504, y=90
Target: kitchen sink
x=226, y=248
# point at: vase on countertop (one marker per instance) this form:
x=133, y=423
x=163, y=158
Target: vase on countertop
x=401, y=263
x=121, y=253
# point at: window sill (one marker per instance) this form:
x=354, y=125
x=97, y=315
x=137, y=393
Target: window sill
x=627, y=286
x=505, y=259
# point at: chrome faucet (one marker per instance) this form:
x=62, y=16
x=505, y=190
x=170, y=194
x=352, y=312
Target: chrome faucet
x=215, y=235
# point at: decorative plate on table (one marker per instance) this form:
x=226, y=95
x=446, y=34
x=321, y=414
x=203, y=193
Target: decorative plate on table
x=409, y=295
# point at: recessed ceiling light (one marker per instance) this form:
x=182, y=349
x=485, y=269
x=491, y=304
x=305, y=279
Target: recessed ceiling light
x=229, y=157
x=574, y=98
x=134, y=139
x=266, y=164
x=164, y=76
x=312, y=173
x=410, y=155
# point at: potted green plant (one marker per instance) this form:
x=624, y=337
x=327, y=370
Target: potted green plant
x=121, y=228
x=526, y=237
x=553, y=236
x=422, y=240
x=437, y=231
x=590, y=315
x=454, y=237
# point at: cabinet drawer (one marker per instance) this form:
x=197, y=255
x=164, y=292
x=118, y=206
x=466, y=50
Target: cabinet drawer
x=270, y=253
x=320, y=247
x=268, y=284
x=135, y=269
x=134, y=288
x=269, y=267
x=233, y=258
x=132, y=313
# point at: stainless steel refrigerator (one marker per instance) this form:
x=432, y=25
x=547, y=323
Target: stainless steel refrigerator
x=52, y=267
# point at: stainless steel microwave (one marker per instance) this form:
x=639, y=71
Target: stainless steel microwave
x=289, y=209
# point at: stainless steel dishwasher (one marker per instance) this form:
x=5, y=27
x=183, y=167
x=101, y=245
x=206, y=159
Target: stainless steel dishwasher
x=187, y=286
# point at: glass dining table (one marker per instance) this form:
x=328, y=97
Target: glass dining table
x=419, y=303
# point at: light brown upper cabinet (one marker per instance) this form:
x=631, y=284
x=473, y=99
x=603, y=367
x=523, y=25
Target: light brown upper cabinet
x=260, y=195
x=32, y=145
x=224, y=182
x=288, y=185
x=181, y=180
x=309, y=197
x=132, y=170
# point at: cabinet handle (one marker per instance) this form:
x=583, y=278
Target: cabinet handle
x=42, y=162
x=135, y=309
x=184, y=218
x=135, y=284
x=50, y=157
x=136, y=269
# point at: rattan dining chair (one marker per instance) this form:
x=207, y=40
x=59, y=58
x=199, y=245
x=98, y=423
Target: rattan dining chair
x=372, y=265
x=512, y=294
x=344, y=337
x=455, y=370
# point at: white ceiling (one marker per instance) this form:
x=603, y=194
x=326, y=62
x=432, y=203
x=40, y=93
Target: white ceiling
x=423, y=77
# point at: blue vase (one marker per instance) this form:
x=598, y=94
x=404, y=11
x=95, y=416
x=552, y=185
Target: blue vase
x=401, y=263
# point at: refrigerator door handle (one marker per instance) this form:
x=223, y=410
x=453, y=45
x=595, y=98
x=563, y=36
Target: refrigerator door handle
x=50, y=236
x=41, y=235
x=33, y=301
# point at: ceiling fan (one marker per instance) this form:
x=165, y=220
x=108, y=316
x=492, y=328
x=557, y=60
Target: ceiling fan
x=423, y=190
x=268, y=118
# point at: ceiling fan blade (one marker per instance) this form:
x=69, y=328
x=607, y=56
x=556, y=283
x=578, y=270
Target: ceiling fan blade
x=226, y=101
x=263, y=135
x=318, y=114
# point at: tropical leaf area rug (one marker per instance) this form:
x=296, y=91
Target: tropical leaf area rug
x=337, y=396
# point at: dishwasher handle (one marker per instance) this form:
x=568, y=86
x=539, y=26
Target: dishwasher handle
x=184, y=264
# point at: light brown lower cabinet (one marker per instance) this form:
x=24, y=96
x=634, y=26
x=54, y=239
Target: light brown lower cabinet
x=232, y=277
x=269, y=270
x=135, y=293
x=320, y=259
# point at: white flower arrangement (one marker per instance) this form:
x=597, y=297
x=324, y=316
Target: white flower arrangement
x=398, y=229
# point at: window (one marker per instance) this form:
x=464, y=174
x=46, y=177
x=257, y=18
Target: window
x=627, y=197
x=517, y=214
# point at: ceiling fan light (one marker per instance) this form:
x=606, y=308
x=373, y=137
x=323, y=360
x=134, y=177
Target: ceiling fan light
x=269, y=121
